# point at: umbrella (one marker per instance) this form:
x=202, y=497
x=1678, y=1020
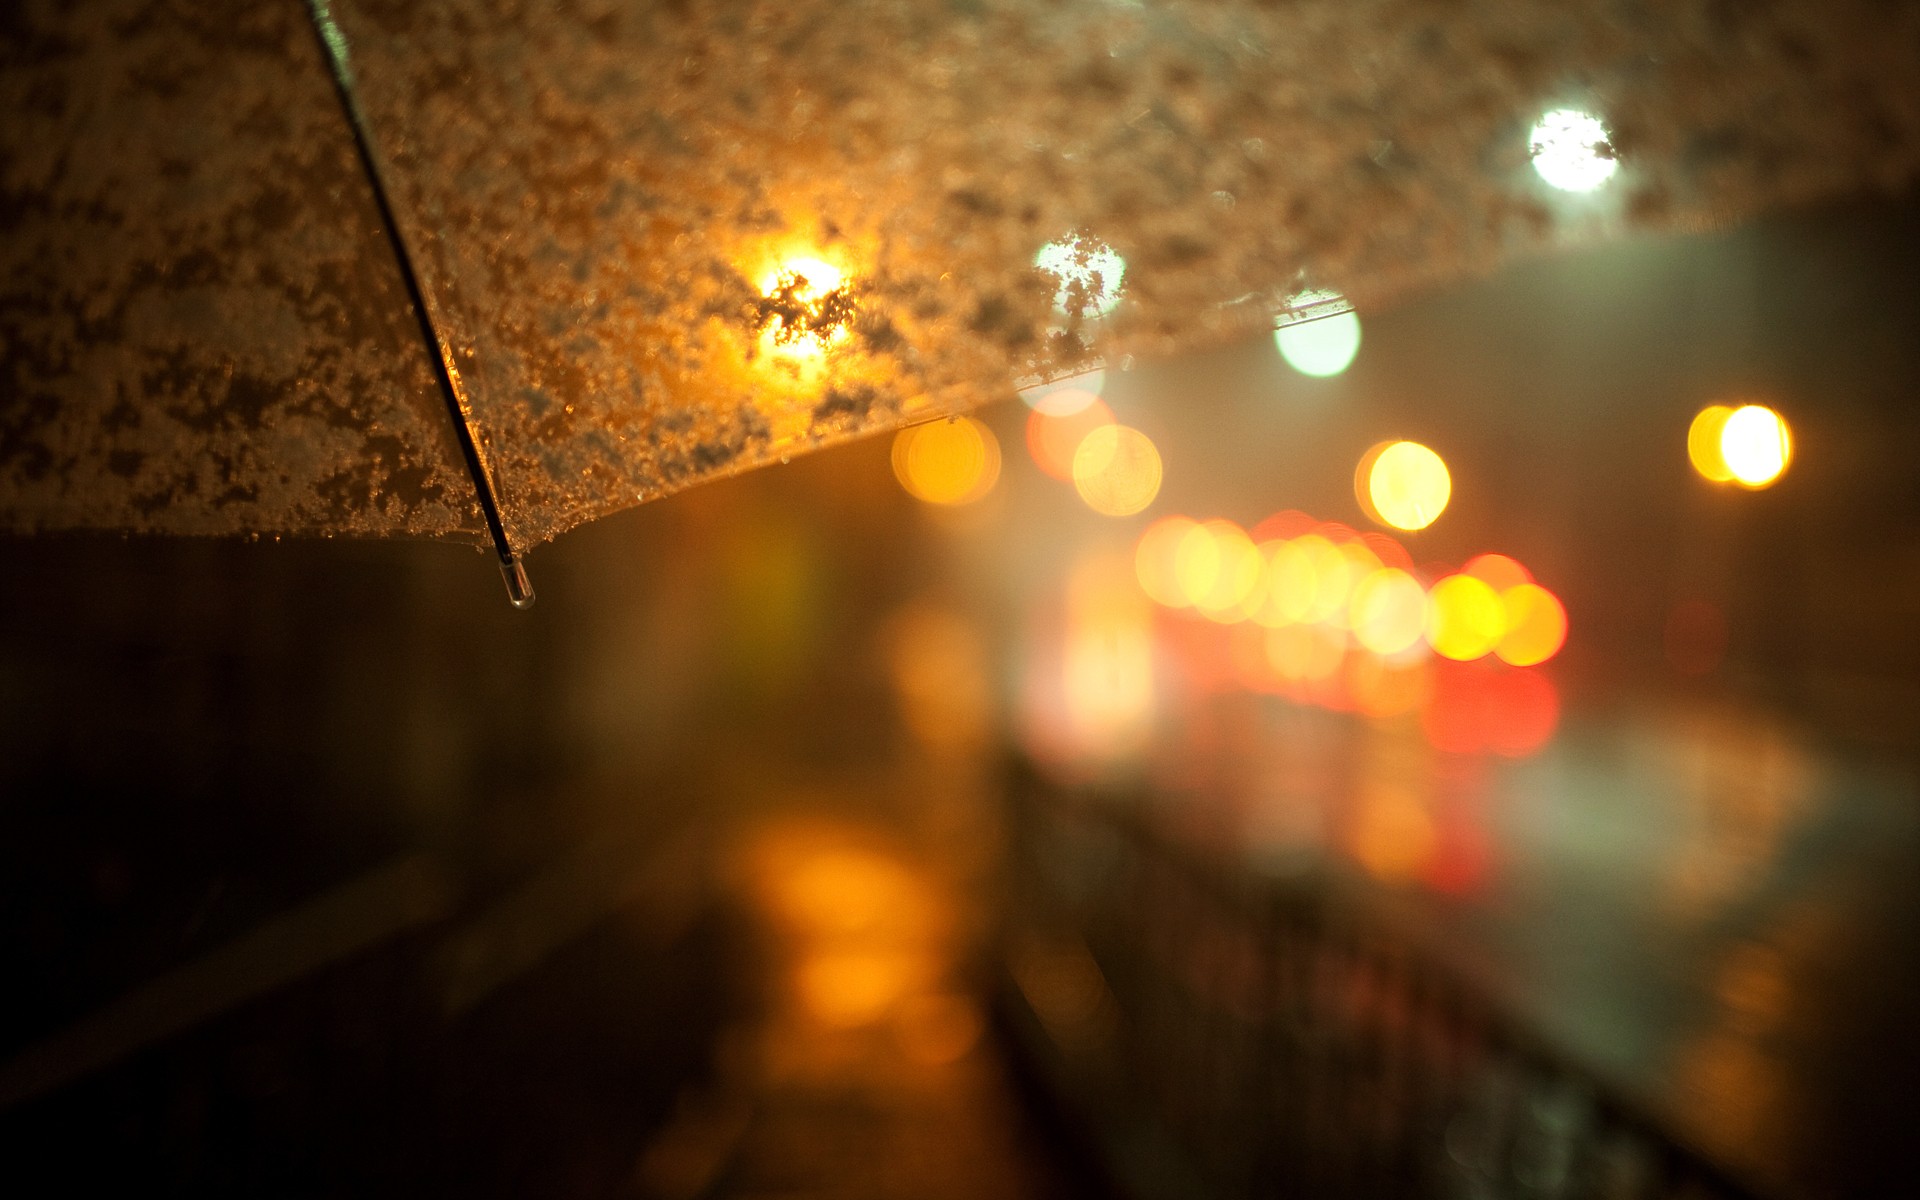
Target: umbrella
x=487, y=269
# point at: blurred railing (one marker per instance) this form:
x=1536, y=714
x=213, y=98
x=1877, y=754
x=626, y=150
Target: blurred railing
x=1222, y=1034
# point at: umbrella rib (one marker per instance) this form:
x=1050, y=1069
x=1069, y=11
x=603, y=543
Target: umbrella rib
x=333, y=48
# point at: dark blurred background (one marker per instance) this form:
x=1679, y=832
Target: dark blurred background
x=784, y=847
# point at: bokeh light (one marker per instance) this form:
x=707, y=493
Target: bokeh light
x=859, y=917
x=1389, y=611
x=845, y=988
x=1536, y=625
x=1703, y=443
x=1222, y=569
x=1321, y=348
x=1116, y=470
x=1479, y=708
x=1287, y=523
x=947, y=462
x=1291, y=584
x=1156, y=561
x=1247, y=653
x=1196, y=565
x=1755, y=445
x=1089, y=272
x=1524, y=711
x=1465, y=618
x=1361, y=562
x=804, y=322
x=1323, y=615
x=1053, y=439
x=1332, y=577
x=1497, y=571
x=1389, y=552
x=811, y=278
x=1305, y=653
x=1750, y=445
x=1572, y=150
x=1107, y=661
x=1363, y=482
x=1406, y=485
x=839, y=890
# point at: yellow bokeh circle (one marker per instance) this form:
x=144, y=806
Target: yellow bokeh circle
x=947, y=462
x=1116, y=470
x=1749, y=445
x=1703, y=443
x=1156, y=561
x=1536, y=625
x=1289, y=584
x=1465, y=618
x=1405, y=485
x=1236, y=569
x=1388, y=611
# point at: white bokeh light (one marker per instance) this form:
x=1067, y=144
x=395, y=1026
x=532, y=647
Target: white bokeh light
x=1755, y=445
x=1571, y=150
x=1086, y=265
x=1322, y=347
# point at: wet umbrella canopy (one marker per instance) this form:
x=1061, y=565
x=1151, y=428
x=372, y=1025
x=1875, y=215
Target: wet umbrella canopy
x=659, y=243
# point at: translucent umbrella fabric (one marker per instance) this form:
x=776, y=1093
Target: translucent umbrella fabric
x=605, y=202
x=201, y=326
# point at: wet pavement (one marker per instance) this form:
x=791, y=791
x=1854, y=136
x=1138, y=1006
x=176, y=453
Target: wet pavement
x=866, y=1068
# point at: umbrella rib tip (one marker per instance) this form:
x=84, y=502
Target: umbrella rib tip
x=519, y=587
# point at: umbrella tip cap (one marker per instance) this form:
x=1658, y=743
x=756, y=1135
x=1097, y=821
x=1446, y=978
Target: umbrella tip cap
x=519, y=587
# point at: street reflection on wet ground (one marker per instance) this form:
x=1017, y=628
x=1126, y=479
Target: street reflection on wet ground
x=863, y=1069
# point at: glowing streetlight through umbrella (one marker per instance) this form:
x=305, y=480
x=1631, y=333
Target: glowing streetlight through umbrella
x=1572, y=150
